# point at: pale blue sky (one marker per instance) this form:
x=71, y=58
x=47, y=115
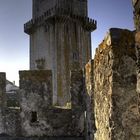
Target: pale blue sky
x=14, y=43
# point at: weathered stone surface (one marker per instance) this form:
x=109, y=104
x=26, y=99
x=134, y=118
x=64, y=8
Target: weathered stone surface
x=89, y=82
x=42, y=138
x=2, y=90
x=36, y=96
x=9, y=118
x=38, y=115
x=136, y=4
x=2, y=101
x=116, y=112
x=60, y=35
x=77, y=90
x=12, y=122
x=77, y=101
x=75, y=7
x=54, y=105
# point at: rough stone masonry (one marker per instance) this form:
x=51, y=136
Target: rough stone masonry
x=52, y=95
x=115, y=98
x=136, y=4
x=36, y=117
x=104, y=101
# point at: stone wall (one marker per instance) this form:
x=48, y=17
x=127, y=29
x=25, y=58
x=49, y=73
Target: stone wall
x=136, y=4
x=2, y=101
x=9, y=118
x=38, y=115
x=2, y=90
x=42, y=138
x=77, y=102
x=12, y=122
x=89, y=82
x=35, y=98
x=116, y=110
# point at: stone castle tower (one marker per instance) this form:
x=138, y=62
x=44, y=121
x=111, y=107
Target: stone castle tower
x=60, y=40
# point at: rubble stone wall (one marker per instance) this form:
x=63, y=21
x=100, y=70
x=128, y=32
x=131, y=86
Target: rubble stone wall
x=42, y=138
x=2, y=100
x=116, y=110
x=103, y=89
x=12, y=122
x=9, y=118
x=77, y=102
x=38, y=115
x=2, y=89
x=136, y=4
x=89, y=82
x=35, y=98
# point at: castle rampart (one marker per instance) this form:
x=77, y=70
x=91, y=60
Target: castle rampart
x=37, y=116
x=116, y=109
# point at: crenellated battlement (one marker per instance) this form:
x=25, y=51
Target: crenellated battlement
x=56, y=15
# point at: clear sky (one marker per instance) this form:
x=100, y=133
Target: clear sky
x=14, y=43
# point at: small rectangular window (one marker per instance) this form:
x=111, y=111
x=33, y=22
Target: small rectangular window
x=33, y=116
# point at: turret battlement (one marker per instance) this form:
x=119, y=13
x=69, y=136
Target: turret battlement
x=56, y=15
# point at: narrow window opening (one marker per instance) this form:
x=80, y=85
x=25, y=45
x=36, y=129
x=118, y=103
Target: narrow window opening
x=75, y=56
x=34, y=117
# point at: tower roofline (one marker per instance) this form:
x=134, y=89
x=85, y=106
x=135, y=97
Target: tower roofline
x=60, y=15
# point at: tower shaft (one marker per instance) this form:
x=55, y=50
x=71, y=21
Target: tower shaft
x=60, y=40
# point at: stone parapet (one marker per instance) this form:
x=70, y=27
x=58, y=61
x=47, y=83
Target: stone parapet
x=2, y=89
x=78, y=98
x=39, y=117
x=35, y=97
x=37, y=84
x=59, y=15
x=41, y=138
x=77, y=90
x=136, y=4
x=2, y=101
x=116, y=108
x=89, y=82
x=30, y=79
x=12, y=122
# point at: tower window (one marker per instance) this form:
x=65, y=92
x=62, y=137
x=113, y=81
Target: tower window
x=75, y=56
x=33, y=116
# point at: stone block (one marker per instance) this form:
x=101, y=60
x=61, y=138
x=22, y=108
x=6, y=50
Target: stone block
x=77, y=90
x=36, y=86
x=35, y=98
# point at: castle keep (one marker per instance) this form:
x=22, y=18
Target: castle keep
x=52, y=94
x=66, y=95
x=60, y=40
